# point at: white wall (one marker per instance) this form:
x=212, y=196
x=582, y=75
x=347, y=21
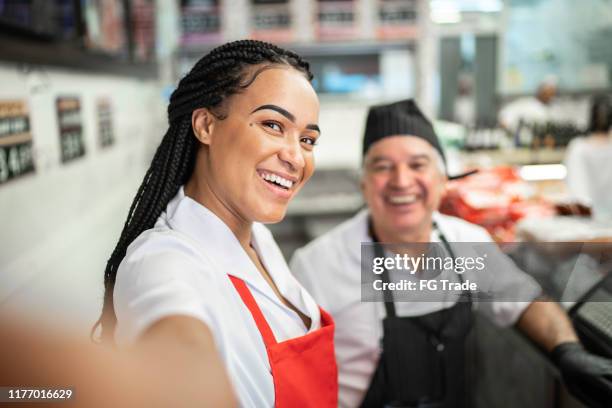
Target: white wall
x=60, y=224
x=342, y=124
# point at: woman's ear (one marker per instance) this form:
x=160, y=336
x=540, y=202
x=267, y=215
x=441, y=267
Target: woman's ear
x=203, y=123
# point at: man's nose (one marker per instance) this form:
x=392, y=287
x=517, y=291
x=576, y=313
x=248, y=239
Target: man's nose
x=401, y=177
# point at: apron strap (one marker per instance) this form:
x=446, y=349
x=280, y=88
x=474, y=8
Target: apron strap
x=388, y=295
x=378, y=251
x=249, y=301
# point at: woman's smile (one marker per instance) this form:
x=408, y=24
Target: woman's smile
x=282, y=185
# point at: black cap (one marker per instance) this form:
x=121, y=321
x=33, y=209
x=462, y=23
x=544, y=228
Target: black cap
x=399, y=118
x=403, y=118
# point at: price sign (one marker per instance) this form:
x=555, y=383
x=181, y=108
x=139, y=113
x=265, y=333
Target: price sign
x=70, y=128
x=15, y=141
x=105, y=122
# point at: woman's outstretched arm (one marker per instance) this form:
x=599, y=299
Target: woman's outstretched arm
x=174, y=364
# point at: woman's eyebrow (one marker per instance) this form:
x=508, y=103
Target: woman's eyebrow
x=286, y=114
x=278, y=109
x=313, y=127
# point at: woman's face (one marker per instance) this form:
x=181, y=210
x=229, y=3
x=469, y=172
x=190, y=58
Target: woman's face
x=261, y=153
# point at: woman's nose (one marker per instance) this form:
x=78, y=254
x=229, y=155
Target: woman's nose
x=292, y=154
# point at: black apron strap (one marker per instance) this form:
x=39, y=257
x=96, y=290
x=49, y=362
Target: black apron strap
x=380, y=253
x=422, y=362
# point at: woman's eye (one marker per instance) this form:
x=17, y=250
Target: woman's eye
x=309, y=140
x=274, y=126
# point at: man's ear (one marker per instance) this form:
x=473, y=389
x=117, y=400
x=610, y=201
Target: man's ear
x=203, y=123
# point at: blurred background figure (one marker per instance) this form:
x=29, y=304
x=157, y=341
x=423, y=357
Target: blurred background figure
x=530, y=110
x=465, y=104
x=589, y=164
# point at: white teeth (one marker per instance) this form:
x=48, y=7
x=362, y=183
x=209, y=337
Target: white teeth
x=406, y=199
x=278, y=180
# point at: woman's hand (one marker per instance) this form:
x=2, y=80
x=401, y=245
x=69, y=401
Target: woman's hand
x=175, y=364
x=183, y=349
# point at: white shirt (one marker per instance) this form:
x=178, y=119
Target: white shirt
x=330, y=268
x=180, y=267
x=528, y=109
x=589, y=174
x=465, y=110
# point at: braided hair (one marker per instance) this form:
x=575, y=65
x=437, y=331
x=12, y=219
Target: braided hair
x=216, y=76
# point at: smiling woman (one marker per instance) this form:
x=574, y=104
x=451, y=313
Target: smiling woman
x=194, y=265
x=252, y=174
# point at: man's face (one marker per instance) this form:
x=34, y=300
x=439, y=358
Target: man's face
x=547, y=93
x=402, y=184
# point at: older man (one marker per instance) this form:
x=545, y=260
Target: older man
x=411, y=353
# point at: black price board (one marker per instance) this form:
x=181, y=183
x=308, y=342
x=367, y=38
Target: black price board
x=15, y=140
x=70, y=128
x=105, y=122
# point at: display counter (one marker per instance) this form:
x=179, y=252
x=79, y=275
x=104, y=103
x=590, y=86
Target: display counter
x=511, y=157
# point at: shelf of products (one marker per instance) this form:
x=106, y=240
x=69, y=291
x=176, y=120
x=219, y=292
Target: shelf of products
x=110, y=36
x=206, y=23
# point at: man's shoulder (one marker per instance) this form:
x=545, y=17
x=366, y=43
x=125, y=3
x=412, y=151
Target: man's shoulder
x=332, y=261
x=338, y=239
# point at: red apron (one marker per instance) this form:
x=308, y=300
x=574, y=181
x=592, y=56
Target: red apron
x=304, y=368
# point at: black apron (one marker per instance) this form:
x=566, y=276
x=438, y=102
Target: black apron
x=422, y=364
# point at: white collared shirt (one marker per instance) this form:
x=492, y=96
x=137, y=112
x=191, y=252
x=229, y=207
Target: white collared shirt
x=589, y=174
x=180, y=266
x=330, y=269
x=530, y=110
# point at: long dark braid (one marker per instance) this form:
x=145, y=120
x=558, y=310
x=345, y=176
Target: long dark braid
x=219, y=74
